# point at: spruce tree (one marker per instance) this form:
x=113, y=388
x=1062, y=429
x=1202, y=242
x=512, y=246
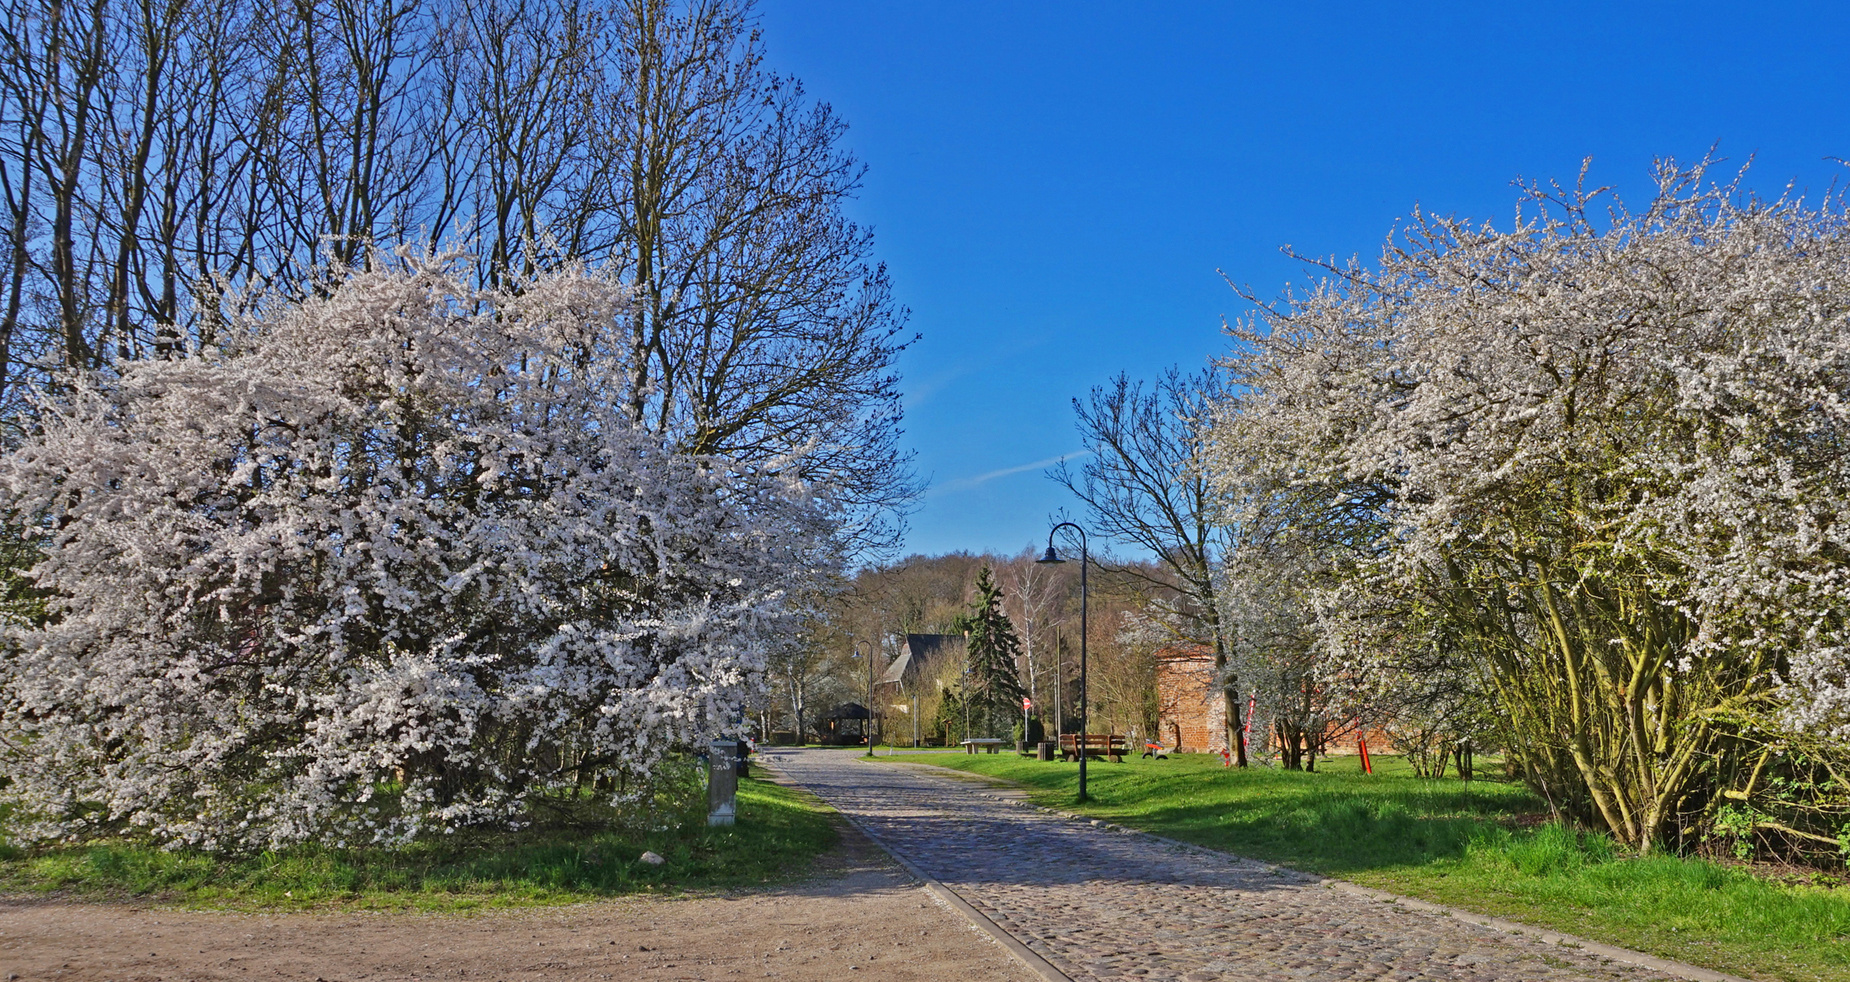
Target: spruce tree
x=990, y=685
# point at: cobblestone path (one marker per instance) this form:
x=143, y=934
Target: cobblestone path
x=1099, y=903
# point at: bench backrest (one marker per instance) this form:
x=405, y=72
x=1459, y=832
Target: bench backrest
x=1108, y=741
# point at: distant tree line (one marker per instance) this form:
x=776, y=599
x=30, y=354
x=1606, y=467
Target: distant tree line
x=940, y=595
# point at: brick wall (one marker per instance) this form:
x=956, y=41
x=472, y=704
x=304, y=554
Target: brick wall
x=1190, y=714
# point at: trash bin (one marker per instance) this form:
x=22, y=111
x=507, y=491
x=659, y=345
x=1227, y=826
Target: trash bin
x=1044, y=750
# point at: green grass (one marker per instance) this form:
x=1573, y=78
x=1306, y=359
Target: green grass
x=1478, y=849
x=779, y=832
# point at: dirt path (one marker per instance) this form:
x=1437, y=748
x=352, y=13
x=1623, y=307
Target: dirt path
x=860, y=917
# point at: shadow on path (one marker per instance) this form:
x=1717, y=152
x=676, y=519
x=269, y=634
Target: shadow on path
x=1100, y=903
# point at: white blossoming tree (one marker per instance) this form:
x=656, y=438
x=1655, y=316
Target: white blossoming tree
x=1305, y=688
x=1605, y=454
x=396, y=560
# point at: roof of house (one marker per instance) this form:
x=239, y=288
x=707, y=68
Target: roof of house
x=920, y=654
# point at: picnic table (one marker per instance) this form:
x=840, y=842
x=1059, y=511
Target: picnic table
x=987, y=743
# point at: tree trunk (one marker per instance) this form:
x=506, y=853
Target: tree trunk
x=1236, y=728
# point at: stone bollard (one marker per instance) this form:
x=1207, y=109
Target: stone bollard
x=722, y=782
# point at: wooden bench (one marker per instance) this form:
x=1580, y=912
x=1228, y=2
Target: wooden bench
x=1111, y=746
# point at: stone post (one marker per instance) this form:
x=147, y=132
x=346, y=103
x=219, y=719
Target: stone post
x=722, y=782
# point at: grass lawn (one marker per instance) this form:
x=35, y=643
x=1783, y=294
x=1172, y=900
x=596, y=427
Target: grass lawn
x=1477, y=849
x=779, y=833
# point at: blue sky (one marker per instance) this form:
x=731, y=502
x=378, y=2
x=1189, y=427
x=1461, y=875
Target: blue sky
x=1057, y=187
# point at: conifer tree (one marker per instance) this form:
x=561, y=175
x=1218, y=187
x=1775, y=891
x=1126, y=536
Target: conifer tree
x=990, y=684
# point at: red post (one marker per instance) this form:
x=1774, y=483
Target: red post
x=1361, y=743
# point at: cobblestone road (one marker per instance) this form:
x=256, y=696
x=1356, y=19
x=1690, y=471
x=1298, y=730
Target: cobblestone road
x=1103, y=904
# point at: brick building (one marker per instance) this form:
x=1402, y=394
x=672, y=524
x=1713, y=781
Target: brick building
x=1191, y=715
x=1191, y=711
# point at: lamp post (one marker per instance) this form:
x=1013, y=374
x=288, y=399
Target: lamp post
x=868, y=727
x=1059, y=682
x=1084, y=559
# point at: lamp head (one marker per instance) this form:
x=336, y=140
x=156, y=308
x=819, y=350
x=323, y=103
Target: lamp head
x=1051, y=556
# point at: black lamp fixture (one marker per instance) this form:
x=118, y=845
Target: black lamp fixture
x=1052, y=557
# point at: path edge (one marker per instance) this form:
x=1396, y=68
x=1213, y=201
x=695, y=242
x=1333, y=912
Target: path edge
x=1642, y=959
x=1023, y=954
x=1668, y=966
x=945, y=895
x=1658, y=963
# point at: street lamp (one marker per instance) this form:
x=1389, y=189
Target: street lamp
x=868, y=727
x=1054, y=557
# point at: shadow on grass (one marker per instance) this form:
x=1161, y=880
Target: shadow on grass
x=1336, y=822
x=1488, y=849
x=1333, y=831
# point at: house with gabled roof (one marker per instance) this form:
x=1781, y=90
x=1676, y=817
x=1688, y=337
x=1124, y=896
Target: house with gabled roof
x=922, y=661
x=922, y=656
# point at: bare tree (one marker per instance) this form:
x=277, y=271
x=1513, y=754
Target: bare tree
x=532, y=175
x=761, y=325
x=1142, y=487
x=1036, y=594
x=161, y=158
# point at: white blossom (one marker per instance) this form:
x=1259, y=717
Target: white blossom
x=1607, y=450
x=396, y=560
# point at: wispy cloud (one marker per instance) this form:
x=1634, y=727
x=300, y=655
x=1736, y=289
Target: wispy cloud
x=966, y=483
x=998, y=355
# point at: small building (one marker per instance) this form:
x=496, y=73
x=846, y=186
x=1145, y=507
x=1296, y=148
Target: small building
x=914, y=674
x=1191, y=712
x=921, y=656
x=845, y=725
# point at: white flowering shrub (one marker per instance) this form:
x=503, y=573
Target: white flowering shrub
x=1300, y=697
x=395, y=562
x=1605, y=456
